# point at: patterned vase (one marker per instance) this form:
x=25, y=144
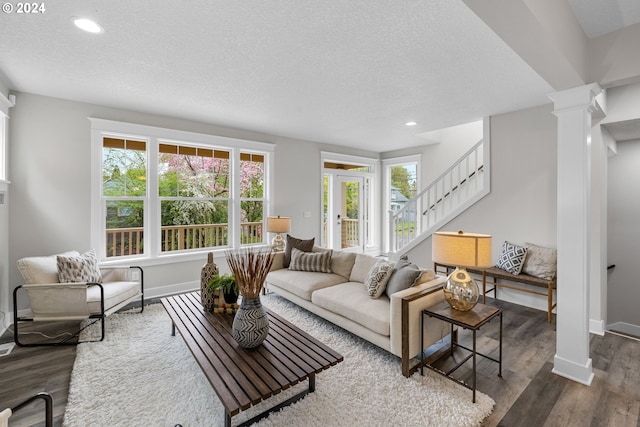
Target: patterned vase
x=251, y=323
x=207, y=295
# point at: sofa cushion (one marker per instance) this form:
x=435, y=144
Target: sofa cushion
x=511, y=258
x=41, y=269
x=294, y=242
x=341, y=261
x=378, y=277
x=79, y=268
x=303, y=283
x=352, y=301
x=361, y=267
x=310, y=261
x=540, y=262
x=405, y=275
x=114, y=294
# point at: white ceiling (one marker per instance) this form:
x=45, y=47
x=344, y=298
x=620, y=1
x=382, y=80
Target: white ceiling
x=347, y=73
x=598, y=17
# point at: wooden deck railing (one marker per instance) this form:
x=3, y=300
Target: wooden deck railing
x=130, y=241
x=350, y=233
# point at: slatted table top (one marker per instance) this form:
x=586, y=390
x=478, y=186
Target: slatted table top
x=243, y=377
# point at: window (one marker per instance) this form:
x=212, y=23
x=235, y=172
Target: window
x=5, y=104
x=193, y=189
x=401, y=184
x=172, y=193
x=251, y=197
x=124, y=189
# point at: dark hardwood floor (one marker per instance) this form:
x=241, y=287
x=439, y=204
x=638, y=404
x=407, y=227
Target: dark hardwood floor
x=528, y=394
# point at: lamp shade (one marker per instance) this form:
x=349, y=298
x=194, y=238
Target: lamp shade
x=461, y=249
x=278, y=224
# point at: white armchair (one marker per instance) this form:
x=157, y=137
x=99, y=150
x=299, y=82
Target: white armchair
x=87, y=291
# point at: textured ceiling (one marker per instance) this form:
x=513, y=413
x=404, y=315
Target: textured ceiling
x=340, y=72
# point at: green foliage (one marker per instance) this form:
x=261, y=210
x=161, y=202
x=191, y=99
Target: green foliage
x=226, y=282
x=401, y=179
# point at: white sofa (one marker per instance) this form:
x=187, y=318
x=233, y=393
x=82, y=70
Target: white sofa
x=341, y=297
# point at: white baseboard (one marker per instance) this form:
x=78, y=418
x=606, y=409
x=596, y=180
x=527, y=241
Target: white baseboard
x=623, y=327
x=582, y=374
x=596, y=327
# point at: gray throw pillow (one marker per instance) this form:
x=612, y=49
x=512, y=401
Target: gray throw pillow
x=294, y=242
x=405, y=275
x=540, y=262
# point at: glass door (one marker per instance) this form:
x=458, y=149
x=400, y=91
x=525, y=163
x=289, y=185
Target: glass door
x=348, y=234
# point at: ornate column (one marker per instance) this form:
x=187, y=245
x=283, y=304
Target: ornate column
x=574, y=109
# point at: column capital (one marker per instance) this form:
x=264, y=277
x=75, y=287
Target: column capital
x=580, y=97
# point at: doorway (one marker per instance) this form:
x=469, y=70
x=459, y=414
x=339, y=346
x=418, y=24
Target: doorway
x=347, y=207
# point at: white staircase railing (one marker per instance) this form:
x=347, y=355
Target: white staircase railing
x=457, y=188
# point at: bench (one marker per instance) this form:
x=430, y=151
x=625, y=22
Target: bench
x=496, y=274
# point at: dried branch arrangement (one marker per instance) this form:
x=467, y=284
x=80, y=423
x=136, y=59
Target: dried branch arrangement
x=250, y=266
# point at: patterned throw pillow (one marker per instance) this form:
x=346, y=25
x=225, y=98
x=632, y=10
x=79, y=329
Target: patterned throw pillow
x=540, y=262
x=378, y=277
x=79, y=269
x=310, y=261
x=294, y=242
x=512, y=258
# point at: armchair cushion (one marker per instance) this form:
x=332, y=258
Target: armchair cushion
x=79, y=268
x=41, y=269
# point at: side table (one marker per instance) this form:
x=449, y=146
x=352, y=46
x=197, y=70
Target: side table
x=472, y=319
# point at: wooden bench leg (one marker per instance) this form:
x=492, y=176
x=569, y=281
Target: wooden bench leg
x=550, y=303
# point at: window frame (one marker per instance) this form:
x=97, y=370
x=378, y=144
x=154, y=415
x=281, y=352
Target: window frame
x=152, y=215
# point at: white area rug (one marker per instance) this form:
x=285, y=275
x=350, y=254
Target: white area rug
x=142, y=376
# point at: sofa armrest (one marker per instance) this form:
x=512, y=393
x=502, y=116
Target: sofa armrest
x=406, y=315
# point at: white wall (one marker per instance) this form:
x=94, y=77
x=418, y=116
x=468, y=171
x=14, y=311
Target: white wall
x=624, y=234
x=453, y=143
x=5, y=300
x=522, y=204
x=50, y=174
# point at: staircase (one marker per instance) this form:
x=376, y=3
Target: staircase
x=455, y=190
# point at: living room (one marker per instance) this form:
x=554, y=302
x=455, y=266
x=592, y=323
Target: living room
x=48, y=209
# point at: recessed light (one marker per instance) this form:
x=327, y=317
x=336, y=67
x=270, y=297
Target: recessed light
x=87, y=25
x=410, y=124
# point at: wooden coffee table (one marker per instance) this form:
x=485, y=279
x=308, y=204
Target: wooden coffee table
x=244, y=377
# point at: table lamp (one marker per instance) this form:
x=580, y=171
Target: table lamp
x=461, y=250
x=278, y=224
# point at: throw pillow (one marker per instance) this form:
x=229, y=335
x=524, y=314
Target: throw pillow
x=540, y=262
x=378, y=277
x=511, y=258
x=293, y=242
x=310, y=261
x=79, y=269
x=404, y=276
